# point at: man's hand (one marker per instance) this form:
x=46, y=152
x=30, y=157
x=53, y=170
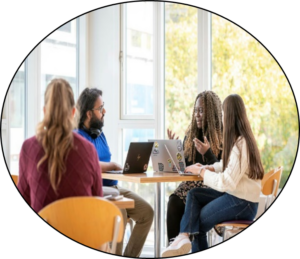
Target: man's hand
x=171, y=135
x=117, y=166
x=109, y=166
x=200, y=146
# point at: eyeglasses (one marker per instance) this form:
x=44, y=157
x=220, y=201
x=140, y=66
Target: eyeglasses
x=198, y=110
x=100, y=109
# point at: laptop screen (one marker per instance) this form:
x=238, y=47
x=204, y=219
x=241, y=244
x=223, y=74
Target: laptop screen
x=172, y=159
x=161, y=160
x=137, y=159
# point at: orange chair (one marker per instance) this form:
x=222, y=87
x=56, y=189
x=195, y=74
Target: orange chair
x=270, y=185
x=91, y=221
x=15, y=178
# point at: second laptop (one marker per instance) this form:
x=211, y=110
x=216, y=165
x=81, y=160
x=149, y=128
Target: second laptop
x=137, y=159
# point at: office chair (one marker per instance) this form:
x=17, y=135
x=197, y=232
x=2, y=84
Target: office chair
x=91, y=221
x=270, y=185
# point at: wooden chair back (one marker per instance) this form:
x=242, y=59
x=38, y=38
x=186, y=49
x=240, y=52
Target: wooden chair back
x=91, y=221
x=15, y=178
x=269, y=187
x=270, y=182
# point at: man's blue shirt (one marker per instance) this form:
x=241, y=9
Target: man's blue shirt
x=103, y=151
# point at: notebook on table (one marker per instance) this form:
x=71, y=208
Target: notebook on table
x=137, y=159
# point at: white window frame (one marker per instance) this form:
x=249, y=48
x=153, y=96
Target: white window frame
x=157, y=63
x=33, y=82
x=204, y=51
x=155, y=121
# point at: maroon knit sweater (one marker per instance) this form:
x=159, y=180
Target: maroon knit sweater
x=82, y=176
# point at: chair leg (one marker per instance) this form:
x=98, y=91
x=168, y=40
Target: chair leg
x=209, y=237
x=230, y=232
x=225, y=234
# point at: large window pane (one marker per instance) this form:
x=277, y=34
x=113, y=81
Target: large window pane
x=241, y=65
x=16, y=118
x=138, y=75
x=180, y=65
x=59, y=57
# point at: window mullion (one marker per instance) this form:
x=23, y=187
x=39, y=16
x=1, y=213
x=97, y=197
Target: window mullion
x=33, y=100
x=204, y=50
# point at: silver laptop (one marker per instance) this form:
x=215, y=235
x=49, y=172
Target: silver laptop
x=161, y=161
x=179, y=171
x=137, y=159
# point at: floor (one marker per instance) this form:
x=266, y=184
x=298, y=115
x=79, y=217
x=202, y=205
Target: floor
x=148, y=250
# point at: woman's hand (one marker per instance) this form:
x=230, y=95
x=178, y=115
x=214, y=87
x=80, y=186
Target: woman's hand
x=200, y=146
x=171, y=135
x=194, y=169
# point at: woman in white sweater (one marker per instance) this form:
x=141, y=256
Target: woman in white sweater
x=235, y=183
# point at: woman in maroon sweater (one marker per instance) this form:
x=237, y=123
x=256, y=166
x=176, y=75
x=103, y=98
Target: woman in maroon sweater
x=58, y=163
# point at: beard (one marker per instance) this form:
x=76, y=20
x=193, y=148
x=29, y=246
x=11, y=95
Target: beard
x=96, y=123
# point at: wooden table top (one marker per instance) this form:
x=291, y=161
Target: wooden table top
x=151, y=177
x=124, y=203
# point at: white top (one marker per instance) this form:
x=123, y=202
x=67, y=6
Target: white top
x=234, y=180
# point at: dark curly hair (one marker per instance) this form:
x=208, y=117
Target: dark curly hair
x=212, y=126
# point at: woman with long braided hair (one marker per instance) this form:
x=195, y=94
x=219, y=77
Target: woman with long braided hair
x=202, y=144
x=235, y=183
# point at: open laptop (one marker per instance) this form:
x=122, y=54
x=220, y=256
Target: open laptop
x=164, y=150
x=179, y=171
x=160, y=158
x=137, y=159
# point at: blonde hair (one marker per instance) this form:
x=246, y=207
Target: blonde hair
x=212, y=126
x=54, y=133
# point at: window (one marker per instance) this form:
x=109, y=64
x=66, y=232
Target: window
x=55, y=57
x=241, y=65
x=181, y=57
x=59, y=57
x=66, y=28
x=16, y=116
x=138, y=75
x=140, y=65
x=181, y=65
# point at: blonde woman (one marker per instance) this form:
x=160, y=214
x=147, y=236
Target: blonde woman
x=58, y=163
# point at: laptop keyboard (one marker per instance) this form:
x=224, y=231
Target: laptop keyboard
x=115, y=172
x=187, y=173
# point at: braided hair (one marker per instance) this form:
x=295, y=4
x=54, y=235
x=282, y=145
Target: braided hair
x=212, y=126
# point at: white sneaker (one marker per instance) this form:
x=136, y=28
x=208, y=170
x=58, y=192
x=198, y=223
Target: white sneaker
x=180, y=246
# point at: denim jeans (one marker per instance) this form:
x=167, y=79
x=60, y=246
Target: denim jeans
x=207, y=207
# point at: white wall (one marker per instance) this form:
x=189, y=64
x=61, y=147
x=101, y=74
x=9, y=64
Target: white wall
x=103, y=62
